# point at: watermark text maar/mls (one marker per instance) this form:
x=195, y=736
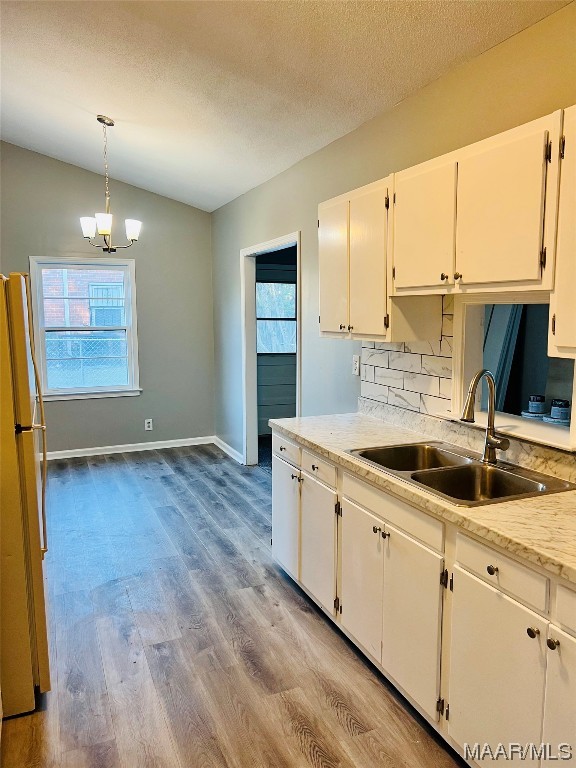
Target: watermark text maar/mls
x=515, y=751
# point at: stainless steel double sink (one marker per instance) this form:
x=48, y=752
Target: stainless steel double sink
x=459, y=476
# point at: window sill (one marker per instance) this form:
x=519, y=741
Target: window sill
x=48, y=398
x=518, y=428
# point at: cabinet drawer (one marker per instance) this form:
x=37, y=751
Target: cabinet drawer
x=566, y=607
x=524, y=584
x=413, y=521
x=286, y=449
x=319, y=468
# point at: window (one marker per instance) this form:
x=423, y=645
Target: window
x=85, y=318
x=276, y=318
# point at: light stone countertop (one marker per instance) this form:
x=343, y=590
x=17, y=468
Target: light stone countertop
x=539, y=530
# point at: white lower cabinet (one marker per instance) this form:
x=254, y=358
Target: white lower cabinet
x=412, y=614
x=286, y=515
x=497, y=670
x=560, y=704
x=508, y=675
x=392, y=601
x=318, y=540
x=362, y=548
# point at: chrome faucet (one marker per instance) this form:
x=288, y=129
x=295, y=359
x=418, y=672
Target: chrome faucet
x=492, y=441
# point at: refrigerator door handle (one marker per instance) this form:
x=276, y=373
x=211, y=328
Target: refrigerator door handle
x=44, y=547
x=42, y=425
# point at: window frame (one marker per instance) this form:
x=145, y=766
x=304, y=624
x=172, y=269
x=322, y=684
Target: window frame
x=467, y=359
x=128, y=266
x=278, y=319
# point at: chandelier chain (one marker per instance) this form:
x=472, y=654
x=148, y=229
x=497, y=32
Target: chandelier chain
x=107, y=188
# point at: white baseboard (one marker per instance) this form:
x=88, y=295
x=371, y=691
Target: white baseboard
x=130, y=447
x=236, y=455
x=150, y=446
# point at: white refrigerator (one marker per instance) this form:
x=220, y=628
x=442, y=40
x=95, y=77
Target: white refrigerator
x=24, y=666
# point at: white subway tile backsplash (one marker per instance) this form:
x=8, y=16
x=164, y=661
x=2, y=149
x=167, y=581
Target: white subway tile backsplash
x=404, y=361
x=433, y=405
x=416, y=375
x=448, y=305
x=418, y=382
x=437, y=366
x=423, y=347
x=367, y=373
x=391, y=346
x=446, y=388
x=403, y=399
x=446, y=346
x=389, y=377
x=374, y=391
x=375, y=357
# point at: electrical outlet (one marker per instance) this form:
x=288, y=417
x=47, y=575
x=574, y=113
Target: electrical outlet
x=356, y=365
x=148, y=425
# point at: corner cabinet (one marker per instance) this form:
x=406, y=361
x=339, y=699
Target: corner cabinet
x=355, y=276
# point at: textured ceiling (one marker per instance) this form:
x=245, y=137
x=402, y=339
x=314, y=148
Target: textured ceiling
x=213, y=98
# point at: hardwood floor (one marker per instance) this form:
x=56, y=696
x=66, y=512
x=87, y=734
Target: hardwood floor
x=177, y=643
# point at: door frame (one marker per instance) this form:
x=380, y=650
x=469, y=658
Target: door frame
x=248, y=329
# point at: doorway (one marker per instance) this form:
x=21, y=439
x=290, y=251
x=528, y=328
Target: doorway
x=270, y=286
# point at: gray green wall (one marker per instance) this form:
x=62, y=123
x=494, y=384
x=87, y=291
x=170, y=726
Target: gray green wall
x=42, y=200
x=525, y=77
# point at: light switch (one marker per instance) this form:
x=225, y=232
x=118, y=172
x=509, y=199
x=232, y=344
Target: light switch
x=356, y=365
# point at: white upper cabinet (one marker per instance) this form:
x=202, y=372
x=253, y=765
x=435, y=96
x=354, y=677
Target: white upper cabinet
x=482, y=218
x=354, y=239
x=505, y=186
x=562, y=332
x=424, y=222
x=368, y=230
x=333, y=265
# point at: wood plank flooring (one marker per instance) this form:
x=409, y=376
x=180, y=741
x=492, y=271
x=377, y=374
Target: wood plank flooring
x=177, y=643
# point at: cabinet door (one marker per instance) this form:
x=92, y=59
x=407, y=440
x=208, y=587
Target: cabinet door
x=285, y=515
x=333, y=266
x=412, y=618
x=318, y=541
x=501, y=193
x=496, y=670
x=563, y=327
x=368, y=298
x=424, y=225
x=362, y=576
x=560, y=707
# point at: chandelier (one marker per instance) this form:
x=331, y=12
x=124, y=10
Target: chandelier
x=102, y=222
